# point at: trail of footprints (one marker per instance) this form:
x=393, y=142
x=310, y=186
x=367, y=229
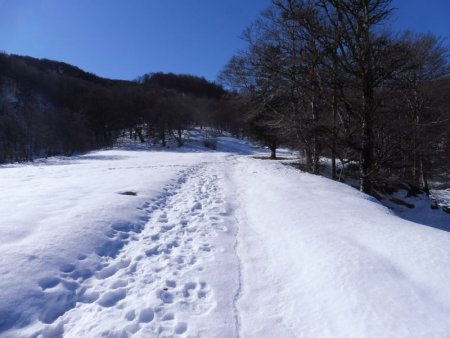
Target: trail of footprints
x=149, y=274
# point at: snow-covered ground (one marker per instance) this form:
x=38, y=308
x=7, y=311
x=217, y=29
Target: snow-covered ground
x=196, y=243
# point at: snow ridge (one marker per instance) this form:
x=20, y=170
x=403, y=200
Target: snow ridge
x=236, y=211
x=237, y=295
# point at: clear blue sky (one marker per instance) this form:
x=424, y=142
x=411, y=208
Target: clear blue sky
x=123, y=39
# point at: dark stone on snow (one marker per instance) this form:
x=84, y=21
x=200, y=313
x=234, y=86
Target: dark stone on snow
x=128, y=193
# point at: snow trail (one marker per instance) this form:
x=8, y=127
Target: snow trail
x=210, y=244
x=169, y=279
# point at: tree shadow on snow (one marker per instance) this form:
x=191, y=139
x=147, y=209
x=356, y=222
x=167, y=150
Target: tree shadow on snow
x=422, y=213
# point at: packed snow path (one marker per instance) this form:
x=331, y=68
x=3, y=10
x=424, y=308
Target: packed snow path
x=173, y=274
x=211, y=245
x=158, y=284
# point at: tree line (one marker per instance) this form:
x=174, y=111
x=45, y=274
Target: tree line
x=51, y=108
x=330, y=78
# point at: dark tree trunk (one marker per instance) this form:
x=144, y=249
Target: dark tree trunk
x=309, y=159
x=334, y=113
x=423, y=177
x=333, y=160
x=366, y=156
x=366, y=151
x=180, y=137
x=138, y=132
x=273, y=151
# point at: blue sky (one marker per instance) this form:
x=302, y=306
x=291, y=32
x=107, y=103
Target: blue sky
x=123, y=39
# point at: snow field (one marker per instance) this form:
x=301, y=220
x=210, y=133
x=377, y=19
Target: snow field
x=210, y=244
x=139, y=272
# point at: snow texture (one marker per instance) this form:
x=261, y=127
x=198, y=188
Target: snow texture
x=196, y=243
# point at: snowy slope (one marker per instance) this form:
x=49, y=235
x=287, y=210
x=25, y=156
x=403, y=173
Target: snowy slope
x=321, y=259
x=214, y=244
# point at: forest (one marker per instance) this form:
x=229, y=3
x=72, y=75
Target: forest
x=331, y=79
x=51, y=108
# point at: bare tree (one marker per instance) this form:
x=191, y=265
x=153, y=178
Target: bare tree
x=427, y=64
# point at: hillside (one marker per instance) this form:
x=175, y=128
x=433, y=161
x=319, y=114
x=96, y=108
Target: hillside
x=51, y=108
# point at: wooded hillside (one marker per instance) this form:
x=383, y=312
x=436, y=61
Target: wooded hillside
x=49, y=108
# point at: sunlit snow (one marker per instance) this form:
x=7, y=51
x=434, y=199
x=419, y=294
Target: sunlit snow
x=197, y=243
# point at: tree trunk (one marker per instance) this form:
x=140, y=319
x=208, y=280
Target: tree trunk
x=333, y=160
x=138, y=132
x=315, y=146
x=334, y=132
x=180, y=137
x=273, y=151
x=368, y=102
x=366, y=155
x=309, y=159
x=423, y=177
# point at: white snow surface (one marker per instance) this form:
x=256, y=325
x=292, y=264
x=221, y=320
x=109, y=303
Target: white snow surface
x=196, y=243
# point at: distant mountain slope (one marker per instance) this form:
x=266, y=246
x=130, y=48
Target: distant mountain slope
x=48, y=66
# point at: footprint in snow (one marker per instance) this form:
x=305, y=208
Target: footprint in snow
x=196, y=206
x=88, y=297
x=130, y=315
x=188, y=289
x=81, y=257
x=67, y=268
x=171, y=283
x=153, y=251
x=168, y=317
x=111, y=298
x=181, y=328
x=146, y=316
x=119, y=284
x=166, y=228
x=166, y=296
x=163, y=219
x=48, y=282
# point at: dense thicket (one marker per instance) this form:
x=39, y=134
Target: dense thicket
x=187, y=84
x=328, y=77
x=49, y=108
